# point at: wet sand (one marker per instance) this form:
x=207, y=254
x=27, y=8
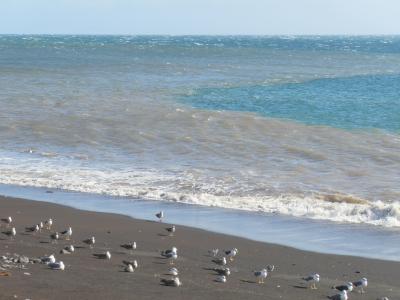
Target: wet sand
x=86, y=277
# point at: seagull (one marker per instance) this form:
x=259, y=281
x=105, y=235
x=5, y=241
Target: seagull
x=220, y=261
x=362, y=283
x=91, y=241
x=48, y=259
x=49, y=223
x=341, y=296
x=172, y=256
x=314, y=279
x=171, y=230
x=41, y=226
x=54, y=237
x=68, y=249
x=221, y=278
x=10, y=233
x=345, y=287
x=173, y=271
x=106, y=255
x=270, y=268
x=172, y=282
x=7, y=221
x=383, y=298
x=261, y=275
x=67, y=233
x=57, y=266
x=130, y=268
x=169, y=251
x=33, y=229
x=129, y=246
x=160, y=215
x=213, y=252
x=231, y=253
x=223, y=271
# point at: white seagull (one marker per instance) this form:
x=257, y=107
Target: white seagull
x=54, y=237
x=7, y=221
x=261, y=275
x=67, y=233
x=223, y=271
x=90, y=241
x=344, y=287
x=106, y=255
x=49, y=223
x=131, y=267
x=57, y=266
x=173, y=271
x=171, y=282
x=361, y=284
x=11, y=233
x=313, y=279
x=221, y=278
x=129, y=246
x=341, y=296
x=171, y=230
x=220, y=261
x=231, y=253
x=48, y=259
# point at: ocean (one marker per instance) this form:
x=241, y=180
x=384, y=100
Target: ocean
x=303, y=126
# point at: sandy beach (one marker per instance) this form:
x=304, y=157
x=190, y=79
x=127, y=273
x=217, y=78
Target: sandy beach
x=86, y=277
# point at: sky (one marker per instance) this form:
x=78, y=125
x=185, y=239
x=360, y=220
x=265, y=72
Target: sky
x=213, y=17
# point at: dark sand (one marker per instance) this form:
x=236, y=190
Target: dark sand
x=86, y=277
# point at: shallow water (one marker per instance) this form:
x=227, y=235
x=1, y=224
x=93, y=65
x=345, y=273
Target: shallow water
x=302, y=126
x=317, y=236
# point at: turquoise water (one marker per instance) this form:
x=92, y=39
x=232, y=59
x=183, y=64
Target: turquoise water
x=358, y=102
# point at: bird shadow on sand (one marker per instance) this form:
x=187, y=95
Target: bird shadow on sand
x=300, y=287
x=159, y=263
x=247, y=281
x=80, y=247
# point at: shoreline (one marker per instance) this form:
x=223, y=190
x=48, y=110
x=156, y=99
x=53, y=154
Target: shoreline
x=300, y=233
x=88, y=278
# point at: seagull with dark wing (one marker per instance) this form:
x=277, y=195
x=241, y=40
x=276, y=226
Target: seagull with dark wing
x=171, y=282
x=270, y=268
x=7, y=221
x=10, y=233
x=169, y=251
x=33, y=229
x=67, y=233
x=129, y=246
x=90, y=241
x=172, y=256
x=171, y=230
x=48, y=259
x=341, y=296
x=106, y=255
x=261, y=275
x=361, y=284
x=313, y=279
x=220, y=261
x=57, y=266
x=344, y=287
x=48, y=223
x=54, y=237
x=160, y=215
x=231, y=253
x=222, y=271
x=221, y=278
x=68, y=249
x=173, y=271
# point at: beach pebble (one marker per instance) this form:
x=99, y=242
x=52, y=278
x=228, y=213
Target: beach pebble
x=23, y=260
